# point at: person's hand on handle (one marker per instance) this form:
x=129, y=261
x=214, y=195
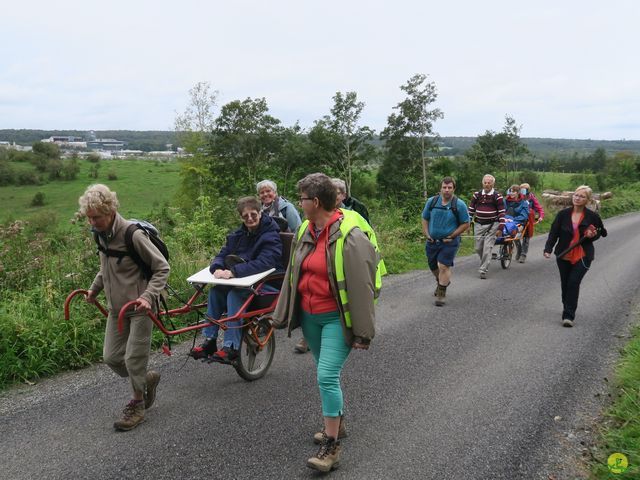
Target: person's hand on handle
x=143, y=305
x=91, y=297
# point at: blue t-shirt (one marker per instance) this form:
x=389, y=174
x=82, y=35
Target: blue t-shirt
x=442, y=220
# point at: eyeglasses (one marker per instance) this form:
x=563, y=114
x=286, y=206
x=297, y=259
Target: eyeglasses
x=247, y=216
x=302, y=199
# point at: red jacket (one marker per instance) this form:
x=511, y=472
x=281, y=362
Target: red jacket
x=313, y=287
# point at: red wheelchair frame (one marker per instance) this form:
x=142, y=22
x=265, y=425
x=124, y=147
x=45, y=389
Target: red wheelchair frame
x=258, y=341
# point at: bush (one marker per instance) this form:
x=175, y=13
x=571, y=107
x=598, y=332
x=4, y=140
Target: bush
x=27, y=178
x=37, y=200
x=530, y=177
x=93, y=158
x=112, y=176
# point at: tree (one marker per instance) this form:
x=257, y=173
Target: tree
x=245, y=140
x=194, y=124
x=339, y=142
x=409, y=137
x=498, y=152
x=193, y=130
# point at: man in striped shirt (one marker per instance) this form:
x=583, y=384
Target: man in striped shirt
x=487, y=206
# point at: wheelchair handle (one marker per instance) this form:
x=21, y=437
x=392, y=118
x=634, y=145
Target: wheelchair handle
x=75, y=293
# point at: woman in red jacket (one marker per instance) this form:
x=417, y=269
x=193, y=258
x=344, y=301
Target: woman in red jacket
x=311, y=297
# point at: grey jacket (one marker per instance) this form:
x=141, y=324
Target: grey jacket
x=360, y=262
x=122, y=280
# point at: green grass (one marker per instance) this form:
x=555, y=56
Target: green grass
x=45, y=259
x=141, y=185
x=620, y=429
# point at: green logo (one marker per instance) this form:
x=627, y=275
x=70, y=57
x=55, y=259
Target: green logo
x=617, y=463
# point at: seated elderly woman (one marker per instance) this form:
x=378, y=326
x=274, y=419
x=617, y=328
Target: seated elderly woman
x=278, y=207
x=253, y=248
x=516, y=211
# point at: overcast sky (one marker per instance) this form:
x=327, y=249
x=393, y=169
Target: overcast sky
x=562, y=68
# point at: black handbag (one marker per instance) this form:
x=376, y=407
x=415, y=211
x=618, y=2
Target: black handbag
x=231, y=260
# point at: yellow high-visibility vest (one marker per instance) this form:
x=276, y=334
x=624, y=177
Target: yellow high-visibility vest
x=350, y=221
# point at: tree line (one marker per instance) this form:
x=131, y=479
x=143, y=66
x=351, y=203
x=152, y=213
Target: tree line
x=241, y=142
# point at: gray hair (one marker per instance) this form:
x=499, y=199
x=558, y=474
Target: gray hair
x=98, y=197
x=340, y=185
x=490, y=176
x=266, y=183
x=320, y=186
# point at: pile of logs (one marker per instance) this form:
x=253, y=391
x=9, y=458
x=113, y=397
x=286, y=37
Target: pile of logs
x=561, y=199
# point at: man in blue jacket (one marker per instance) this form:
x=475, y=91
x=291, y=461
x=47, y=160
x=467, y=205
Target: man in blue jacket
x=256, y=247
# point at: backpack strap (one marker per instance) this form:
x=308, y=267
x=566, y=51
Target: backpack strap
x=128, y=241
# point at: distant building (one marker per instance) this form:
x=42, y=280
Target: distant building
x=66, y=141
x=110, y=144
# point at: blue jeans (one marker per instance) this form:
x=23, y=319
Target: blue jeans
x=325, y=337
x=226, y=299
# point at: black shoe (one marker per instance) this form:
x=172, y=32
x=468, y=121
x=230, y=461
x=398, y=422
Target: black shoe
x=205, y=349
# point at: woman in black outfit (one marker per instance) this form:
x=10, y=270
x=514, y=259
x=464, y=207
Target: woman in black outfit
x=577, y=226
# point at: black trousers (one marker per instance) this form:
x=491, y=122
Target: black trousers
x=570, y=278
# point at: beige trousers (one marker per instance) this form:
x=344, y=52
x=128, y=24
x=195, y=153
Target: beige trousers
x=127, y=353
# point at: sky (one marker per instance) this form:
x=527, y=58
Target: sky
x=561, y=68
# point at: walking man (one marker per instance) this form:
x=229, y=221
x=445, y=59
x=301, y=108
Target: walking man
x=122, y=279
x=444, y=219
x=487, y=206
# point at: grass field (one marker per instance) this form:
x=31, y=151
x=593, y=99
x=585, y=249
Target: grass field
x=141, y=185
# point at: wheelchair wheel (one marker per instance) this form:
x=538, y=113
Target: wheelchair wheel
x=506, y=251
x=257, y=350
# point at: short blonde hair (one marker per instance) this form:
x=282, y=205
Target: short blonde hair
x=98, y=197
x=587, y=189
x=525, y=185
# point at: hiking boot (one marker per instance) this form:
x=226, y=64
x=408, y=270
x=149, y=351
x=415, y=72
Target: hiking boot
x=205, y=349
x=328, y=456
x=494, y=255
x=522, y=259
x=302, y=346
x=342, y=432
x=441, y=292
x=153, y=379
x=132, y=416
x=567, y=323
x=483, y=275
x=227, y=354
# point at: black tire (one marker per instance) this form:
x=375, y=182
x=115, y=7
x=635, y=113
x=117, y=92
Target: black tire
x=253, y=361
x=506, y=250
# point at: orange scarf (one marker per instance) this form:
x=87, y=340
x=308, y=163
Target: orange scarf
x=576, y=253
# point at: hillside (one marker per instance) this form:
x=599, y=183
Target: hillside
x=157, y=140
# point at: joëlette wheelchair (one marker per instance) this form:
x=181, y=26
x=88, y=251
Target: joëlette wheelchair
x=258, y=340
x=510, y=242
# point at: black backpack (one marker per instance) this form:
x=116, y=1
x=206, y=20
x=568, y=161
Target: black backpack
x=150, y=231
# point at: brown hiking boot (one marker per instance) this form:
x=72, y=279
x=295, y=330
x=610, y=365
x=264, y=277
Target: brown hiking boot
x=441, y=292
x=302, y=346
x=133, y=415
x=342, y=432
x=153, y=379
x=328, y=456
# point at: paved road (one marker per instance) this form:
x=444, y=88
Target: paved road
x=468, y=391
